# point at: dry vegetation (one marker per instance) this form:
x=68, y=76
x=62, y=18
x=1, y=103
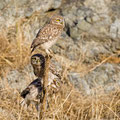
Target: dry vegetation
x=68, y=104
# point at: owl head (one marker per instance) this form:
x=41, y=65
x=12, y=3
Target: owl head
x=57, y=20
x=38, y=60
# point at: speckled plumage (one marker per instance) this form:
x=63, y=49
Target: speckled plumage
x=48, y=35
x=33, y=93
x=38, y=63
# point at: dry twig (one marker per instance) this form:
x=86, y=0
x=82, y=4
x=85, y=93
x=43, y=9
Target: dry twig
x=45, y=83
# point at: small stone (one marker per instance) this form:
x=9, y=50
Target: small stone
x=78, y=82
x=95, y=18
x=83, y=25
x=74, y=33
x=115, y=29
x=2, y=4
x=103, y=29
x=28, y=12
x=57, y=3
x=89, y=20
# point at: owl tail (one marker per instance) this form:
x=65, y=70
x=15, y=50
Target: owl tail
x=33, y=46
x=32, y=49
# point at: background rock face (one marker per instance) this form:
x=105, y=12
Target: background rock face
x=11, y=11
x=91, y=35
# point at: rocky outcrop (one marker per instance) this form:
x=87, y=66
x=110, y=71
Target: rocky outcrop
x=12, y=11
x=92, y=29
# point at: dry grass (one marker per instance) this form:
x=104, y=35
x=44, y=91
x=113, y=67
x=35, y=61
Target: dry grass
x=13, y=55
x=68, y=104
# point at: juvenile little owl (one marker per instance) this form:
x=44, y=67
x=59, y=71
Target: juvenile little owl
x=33, y=92
x=54, y=75
x=48, y=35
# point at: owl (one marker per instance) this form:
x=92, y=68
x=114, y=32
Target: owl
x=33, y=93
x=54, y=75
x=38, y=64
x=48, y=35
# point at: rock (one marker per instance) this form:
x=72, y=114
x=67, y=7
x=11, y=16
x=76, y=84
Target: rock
x=83, y=25
x=74, y=33
x=105, y=77
x=79, y=83
x=85, y=18
x=28, y=12
x=99, y=6
x=56, y=3
x=115, y=29
x=19, y=79
x=95, y=18
x=25, y=8
x=91, y=29
x=2, y=4
x=66, y=47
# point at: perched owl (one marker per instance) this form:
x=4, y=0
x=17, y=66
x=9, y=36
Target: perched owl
x=38, y=64
x=33, y=93
x=54, y=75
x=48, y=35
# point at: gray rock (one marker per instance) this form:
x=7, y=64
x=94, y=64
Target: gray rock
x=95, y=18
x=19, y=79
x=79, y=83
x=28, y=12
x=25, y=8
x=83, y=25
x=56, y=3
x=2, y=4
x=105, y=77
x=99, y=6
x=91, y=29
x=85, y=18
x=115, y=29
x=66, y=47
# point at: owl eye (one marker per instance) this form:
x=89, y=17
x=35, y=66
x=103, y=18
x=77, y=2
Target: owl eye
x=58, y=20
x=33, y=59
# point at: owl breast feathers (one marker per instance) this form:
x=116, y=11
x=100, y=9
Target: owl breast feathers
x=48, y=35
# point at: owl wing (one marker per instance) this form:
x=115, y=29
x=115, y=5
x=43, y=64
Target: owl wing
x=55, y=71
x=47, y=33
x=37, y=83
x=25, y=92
